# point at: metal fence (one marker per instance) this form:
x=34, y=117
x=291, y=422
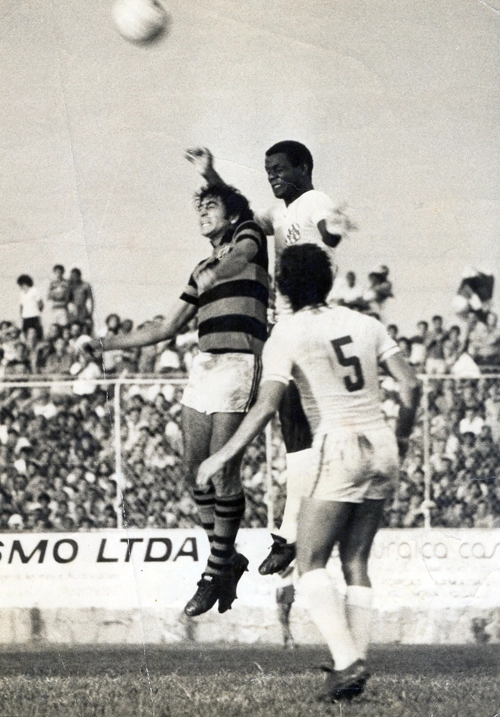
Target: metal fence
x=108, y=453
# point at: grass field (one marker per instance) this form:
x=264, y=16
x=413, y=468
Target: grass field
x=203, y=681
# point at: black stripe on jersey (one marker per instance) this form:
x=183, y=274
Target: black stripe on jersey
x=236, y=289
x=233, y=322
x=189, y=299
x=249, y=230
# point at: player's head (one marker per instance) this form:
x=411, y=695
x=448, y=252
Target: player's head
x=289, y=167
x=305, y=275
x=220, y=209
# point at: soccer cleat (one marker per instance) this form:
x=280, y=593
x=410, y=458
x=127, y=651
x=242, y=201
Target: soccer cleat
x=205, y=597
x=344, y=684
x=280, y=557
x=229, y=581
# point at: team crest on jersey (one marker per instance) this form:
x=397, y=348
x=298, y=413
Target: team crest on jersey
x=293, y=234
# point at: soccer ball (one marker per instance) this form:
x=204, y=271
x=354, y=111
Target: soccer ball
x=139, y=20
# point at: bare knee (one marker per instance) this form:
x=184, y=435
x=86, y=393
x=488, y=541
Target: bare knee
x=355, y=569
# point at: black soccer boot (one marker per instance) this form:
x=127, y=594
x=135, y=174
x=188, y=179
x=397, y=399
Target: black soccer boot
x=229, y=581
x=205, y=597
x=344, y=684
x=280, y=557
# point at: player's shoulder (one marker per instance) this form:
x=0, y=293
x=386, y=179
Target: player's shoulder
x=356, y=319
x=315, y=197
x=249, y=228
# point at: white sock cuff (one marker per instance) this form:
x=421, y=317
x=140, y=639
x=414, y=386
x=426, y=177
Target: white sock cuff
x=311, y=580
x=359, y=595
x=300, y=461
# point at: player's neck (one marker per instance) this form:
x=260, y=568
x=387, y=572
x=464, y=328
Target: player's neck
x=298, y=192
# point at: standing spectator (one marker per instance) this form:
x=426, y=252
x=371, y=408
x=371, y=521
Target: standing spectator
x=452, y=347
x=378, y=290
x=393, y=332
x=417, y=357
x=31, y=305
x=59, y=362
x=111, y=358
x=81, y=299
x=347, y=292
x=58, y=296
x=434, y=362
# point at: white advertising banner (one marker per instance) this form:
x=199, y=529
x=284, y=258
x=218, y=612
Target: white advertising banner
x=160, y=568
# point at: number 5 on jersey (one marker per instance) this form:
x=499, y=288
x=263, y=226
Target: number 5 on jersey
x=358, y=382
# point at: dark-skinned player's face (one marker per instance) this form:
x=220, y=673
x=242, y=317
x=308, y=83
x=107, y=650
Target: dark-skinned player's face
x=287, y=181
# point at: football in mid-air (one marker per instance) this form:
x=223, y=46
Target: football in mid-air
x=140, y=21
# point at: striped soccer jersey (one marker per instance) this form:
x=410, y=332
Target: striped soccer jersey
x=232, y=314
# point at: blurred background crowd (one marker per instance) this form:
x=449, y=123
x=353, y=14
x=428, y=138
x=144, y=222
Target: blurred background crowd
x=58, y=444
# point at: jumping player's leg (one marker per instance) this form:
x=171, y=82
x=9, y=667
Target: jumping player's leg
x=229, y=496
x=196, y=433
x=298, y=439
x=355, y=545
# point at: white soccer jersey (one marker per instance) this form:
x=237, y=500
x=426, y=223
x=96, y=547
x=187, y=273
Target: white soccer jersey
x=332, y=354
x=298, y=222
x=294, y=224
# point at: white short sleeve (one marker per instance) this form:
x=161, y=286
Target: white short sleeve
x=264, y=220
x=277, y=357
x=322, y=207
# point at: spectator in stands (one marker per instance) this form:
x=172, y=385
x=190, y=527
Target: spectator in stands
x=484, y=341
x=434, y=362
x=59, y=361
x=81, y=300
x=472, y=422
x=111, y=358
x=31, y=305
x=58, y=296
x=452, y=348
x=19, y=364
x=346, y=292
x=405, y=346
x=418, y=346
x=393, y=332
x=379, y=289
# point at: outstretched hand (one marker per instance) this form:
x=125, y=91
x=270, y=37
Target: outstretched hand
x=201, y=157
x=208, y=469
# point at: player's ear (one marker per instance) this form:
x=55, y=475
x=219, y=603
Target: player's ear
x=233, y=219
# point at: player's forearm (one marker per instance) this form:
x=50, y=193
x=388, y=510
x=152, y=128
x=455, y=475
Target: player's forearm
x=410, y=397
x=135, y=339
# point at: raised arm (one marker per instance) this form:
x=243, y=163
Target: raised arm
x=231, y=264
x=336, y=227
x=268, y=401
x=202, y=159
x=153, y=333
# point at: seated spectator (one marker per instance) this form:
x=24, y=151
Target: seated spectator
x=472, y=422
x=60, y=360
x=19, y=364
x=452, y=348
x=484, y=341
x=87, y=371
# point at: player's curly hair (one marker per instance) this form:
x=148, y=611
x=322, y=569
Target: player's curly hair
x=296, y=152
x=235, y=203
x=305, y=275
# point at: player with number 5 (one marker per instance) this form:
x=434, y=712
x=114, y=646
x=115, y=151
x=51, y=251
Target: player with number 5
x=333, y=354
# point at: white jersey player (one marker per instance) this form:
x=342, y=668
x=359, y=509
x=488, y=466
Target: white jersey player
x=332, y=353
x=304, y=215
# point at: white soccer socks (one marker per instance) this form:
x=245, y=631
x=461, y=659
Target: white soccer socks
x=299, y=472
x=359, y=615
x=327, y=610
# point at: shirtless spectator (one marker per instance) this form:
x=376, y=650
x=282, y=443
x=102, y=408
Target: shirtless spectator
x=81, y=299
x=58, y=296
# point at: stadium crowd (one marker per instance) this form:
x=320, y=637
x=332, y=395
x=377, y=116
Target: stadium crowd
x=57, y=450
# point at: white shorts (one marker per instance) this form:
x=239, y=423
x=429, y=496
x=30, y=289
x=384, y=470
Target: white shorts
x=222, y=383
x=351, y=466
